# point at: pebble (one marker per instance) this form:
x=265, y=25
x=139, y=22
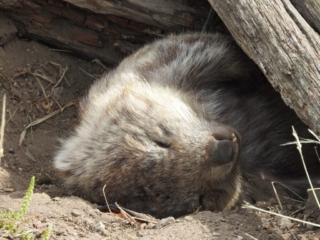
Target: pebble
x=140, y=234
x=38, y=225
x=76, y=213
x=8, y=189
x=164, y=222
x=98, y=227
x=188, y=218
x=284, y=223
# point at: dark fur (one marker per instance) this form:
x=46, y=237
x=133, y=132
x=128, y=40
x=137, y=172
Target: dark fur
x=162, y=131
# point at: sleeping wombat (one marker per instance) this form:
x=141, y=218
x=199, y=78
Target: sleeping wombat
x=175, y=125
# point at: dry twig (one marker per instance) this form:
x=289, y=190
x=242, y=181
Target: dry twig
x=247, y=205
x=40, y=120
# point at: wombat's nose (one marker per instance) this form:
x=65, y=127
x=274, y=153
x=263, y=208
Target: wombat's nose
x=224, y=151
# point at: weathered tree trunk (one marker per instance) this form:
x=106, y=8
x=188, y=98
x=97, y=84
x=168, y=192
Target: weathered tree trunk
x=160, y=13
x=309, y=9
x=103, y=29
x=283, y=44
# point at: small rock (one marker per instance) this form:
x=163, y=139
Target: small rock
x=143, y=226
x=188, y=218
x=291, y=225
x=150, y=226
x=98, y=227
x=38, y=225
x=267, y=225
x=140, y=234
x=284, y=222
x=8, y=189
x=76, y=213
x=164, y=222
x=56, y=199
x=216, y=234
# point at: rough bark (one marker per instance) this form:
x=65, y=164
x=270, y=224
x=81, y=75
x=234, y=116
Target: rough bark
x=310, y=10
x=160, y=13
x=284, y=46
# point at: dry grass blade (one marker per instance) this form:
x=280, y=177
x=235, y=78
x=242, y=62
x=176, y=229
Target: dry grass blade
x=44, y=77
x=251, y=236
x=138, y=216
x=90, y=75
x=277, y=196
x=310, y=131
x=127, y=216
x=105, y=198
x=299, y=198
x=61, y=77
x=59, y=50
x=97, y=61
x=247, y=205
x=42, y=88
x=2, y=126
x=299, y=147
x=29, y=155
x=40, y=120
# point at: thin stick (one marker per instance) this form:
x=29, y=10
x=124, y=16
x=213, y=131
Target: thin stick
x=38, y=121
x=310, y=131
x=61, y=77
x=315, y=149
x=251, y=236
x=131, y=219
x=105, y=198
x=87, y=73
x=42, y=88
x=247, y=205
x=301, y=141
x=277, y=196
x=59, y=50
x=299, y=210
x=294, y=236
x=97, y=61
x=299, y=147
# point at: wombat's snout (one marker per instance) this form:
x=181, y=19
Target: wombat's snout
x=224, y=151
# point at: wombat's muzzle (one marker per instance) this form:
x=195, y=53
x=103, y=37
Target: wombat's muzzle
x=224, y=151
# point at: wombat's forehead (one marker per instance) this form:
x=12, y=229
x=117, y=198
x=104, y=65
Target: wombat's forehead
x=140, y=98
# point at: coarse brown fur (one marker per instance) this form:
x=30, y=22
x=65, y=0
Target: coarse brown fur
x=163, y=130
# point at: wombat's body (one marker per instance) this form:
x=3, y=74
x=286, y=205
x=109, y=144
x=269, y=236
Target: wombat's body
x=163, y=130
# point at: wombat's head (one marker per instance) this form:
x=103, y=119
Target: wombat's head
x=154, y=151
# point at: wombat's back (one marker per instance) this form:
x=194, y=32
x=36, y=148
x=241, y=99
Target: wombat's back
x=162, y=131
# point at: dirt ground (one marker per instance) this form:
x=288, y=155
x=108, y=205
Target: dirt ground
x=29, y=73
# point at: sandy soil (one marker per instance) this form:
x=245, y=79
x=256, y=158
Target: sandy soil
x=22, y=62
